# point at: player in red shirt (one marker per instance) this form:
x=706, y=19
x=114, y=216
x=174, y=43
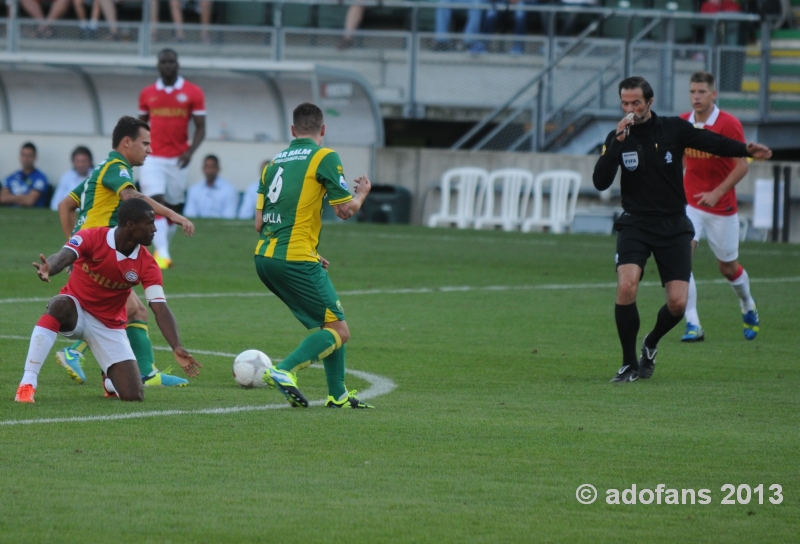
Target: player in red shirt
x=168, y=105
x=108, y=262
x=709, y=183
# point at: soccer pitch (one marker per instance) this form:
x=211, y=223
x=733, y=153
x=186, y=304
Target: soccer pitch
x=489, y=356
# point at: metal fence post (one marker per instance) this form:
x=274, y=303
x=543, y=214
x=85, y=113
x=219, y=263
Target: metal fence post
x=413, y=61
x=144, y=32
x=277, y=36
x=787, y=207
x=763, y=80
x=12, y=27
x=776, y=201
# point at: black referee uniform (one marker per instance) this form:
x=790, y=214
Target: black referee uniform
x=654, y=203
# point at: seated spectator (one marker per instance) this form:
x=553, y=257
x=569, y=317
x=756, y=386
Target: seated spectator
x=729, y=29
x=473, y=27
x=520, y=23
x=214, y=197
x=88, y=30
x=352, y=20
x=82, y=165
x=33, y=8
x=571, y=24
x=247, y=210
x=176, y=7
x=26, y=188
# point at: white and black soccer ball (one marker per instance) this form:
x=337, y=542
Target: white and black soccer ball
x=249, y=367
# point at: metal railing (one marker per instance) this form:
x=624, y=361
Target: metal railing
x=536, y=86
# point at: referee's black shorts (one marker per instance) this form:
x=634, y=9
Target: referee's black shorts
x=667, y=238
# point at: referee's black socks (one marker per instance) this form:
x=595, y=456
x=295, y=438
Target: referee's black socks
x=664, y=323
x=628, y=323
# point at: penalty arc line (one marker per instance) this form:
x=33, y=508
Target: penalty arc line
x=379, y=386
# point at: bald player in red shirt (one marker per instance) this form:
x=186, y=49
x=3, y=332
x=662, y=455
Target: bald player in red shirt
x=108, y=262
x=168, y=105
x=709, y=183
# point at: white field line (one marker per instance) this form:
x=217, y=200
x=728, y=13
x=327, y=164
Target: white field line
x=379, y=386
x=443, y=289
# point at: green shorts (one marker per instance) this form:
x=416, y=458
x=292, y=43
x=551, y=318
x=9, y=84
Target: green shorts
x=304, y=287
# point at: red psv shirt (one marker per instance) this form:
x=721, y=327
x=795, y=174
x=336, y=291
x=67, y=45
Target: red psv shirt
x=704, y=171
x=102, y=278
x=170, y=109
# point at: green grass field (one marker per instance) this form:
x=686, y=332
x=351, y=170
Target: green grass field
x=501, y=346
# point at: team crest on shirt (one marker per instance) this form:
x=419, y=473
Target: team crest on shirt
x=630, y=160
x=123, y=172
x=668, y=157
x=131, y=276
x=76, y=241
x=181, y=98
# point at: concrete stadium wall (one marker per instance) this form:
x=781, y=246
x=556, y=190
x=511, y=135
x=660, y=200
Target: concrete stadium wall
x=419, y=170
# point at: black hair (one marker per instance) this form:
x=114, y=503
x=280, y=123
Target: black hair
x=127, y=126
x=211, y=158
x=167, y=50
x=82, y=150
x=133, y=209
x=307, y=118
x=29, y=145
x=637, y=82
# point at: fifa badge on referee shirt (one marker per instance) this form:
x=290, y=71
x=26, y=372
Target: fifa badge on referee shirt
x=630, y=160
x=668, y=157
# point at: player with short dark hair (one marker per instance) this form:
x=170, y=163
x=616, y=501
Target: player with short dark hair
x=27, y=187
x=168, y=105
x=99, y=199
x=710, y=183
x=650, y=150
x=288, y=219
x=108, y=262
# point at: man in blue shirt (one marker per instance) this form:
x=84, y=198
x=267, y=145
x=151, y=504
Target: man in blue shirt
x=28, y=187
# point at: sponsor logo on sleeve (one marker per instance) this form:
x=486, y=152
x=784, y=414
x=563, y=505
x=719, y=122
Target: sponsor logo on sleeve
x=343, y=183
x=123, y=172
x=76, y=241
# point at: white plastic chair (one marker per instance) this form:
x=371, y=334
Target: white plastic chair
x=464, y=182
x=515, y=191
x=564, y=187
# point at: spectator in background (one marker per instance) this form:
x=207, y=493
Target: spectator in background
x=82, y=165
x=176, y=7
x=352, y=20
x=571, y=24
x=89, y=29
x=728, y=29
x=520, y=23
x=247, y=209
x=26, y=188
x=214, y=197
x=33, y=8
x=473, y=27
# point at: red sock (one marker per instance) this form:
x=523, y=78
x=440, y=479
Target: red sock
x=737, y=274
x=49, y=322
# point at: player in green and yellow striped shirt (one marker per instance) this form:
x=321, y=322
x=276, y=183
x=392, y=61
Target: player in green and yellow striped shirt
x=288, y=219
x=97, y=199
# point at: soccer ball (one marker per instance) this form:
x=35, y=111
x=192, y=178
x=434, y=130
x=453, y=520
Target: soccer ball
x=249, y=367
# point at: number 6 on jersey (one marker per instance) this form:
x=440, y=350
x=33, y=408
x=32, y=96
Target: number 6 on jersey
x=275, y=187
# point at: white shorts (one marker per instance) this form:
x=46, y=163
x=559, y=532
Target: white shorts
x=721, y=231
x=161, y=176
x=109, y=346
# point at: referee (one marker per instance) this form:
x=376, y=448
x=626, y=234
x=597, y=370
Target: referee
x=650, y=150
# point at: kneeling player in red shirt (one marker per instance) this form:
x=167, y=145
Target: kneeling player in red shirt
x=108, y=262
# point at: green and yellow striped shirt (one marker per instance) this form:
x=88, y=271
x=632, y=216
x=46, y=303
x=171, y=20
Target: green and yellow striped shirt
x=290, y=197
x=98, y=196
